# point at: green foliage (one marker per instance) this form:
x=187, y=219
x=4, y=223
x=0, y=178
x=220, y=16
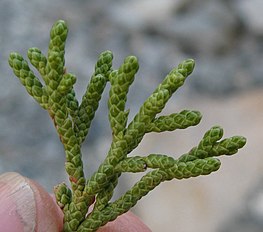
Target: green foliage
x=72, y=121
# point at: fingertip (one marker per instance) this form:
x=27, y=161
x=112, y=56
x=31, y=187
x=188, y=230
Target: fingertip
x=26, y=206
x=49, y=217
x=16, y=203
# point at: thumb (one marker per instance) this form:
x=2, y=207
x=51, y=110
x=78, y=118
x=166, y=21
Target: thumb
x=26, y=206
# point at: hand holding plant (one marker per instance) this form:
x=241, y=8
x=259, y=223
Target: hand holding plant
x=26, y=206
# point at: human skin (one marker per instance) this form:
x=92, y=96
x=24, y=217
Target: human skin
x=26, y=206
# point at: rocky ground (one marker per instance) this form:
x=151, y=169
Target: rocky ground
x=225, y=39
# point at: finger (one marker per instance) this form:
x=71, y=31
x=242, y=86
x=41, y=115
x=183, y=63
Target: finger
x=26, y=206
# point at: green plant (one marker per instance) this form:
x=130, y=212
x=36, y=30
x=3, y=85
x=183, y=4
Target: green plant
x=72, y=121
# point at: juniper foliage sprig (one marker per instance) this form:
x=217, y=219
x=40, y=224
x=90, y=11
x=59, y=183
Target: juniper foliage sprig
x=72, y=121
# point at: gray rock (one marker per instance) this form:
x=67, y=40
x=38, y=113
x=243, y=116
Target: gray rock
x=251, y=14
x=249, y=215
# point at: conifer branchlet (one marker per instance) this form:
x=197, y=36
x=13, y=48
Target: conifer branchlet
x=73, y=119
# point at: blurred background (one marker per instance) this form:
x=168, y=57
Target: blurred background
x=225, y=39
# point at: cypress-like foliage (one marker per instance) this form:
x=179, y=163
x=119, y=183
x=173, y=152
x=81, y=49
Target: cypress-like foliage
x=72, y=121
